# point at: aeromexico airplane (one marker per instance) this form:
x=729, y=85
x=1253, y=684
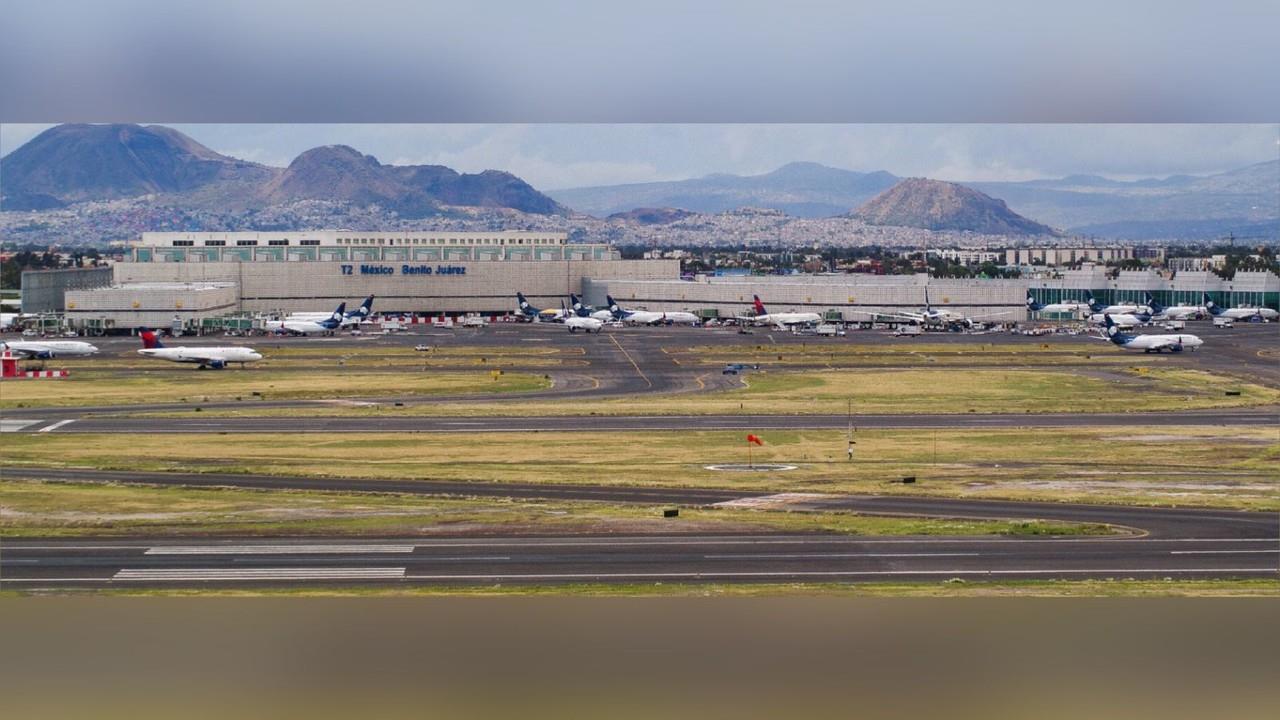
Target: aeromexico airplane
x=307, y=327
x=355, y=317
x=1099, y=309
x=1060, y=307
x=214, y=356
x=1178, y=312
x=1240, y=313
x=1150, y=343
x=648, y=317
x=532, y=314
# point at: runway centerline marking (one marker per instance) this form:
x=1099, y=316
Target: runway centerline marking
x=1219, y=552
x=786, y=556
x=282, y=573
x=630, y=360
x=275, y=549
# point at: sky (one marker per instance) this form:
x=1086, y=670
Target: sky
x=558, y=156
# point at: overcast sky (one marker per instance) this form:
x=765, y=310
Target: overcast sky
x=555, y=156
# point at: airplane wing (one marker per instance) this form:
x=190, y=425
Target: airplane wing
x=27, y=352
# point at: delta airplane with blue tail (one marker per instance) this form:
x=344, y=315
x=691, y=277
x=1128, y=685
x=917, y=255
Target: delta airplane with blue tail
x=1150, y=343
x=211, y=357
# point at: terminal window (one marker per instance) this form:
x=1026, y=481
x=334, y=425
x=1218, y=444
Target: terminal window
x=183, y=243
x=308, y=242
x=215, y=243
x=246, y=242
x=277, y=242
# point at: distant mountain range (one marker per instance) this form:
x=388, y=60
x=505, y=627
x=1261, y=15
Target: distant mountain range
x=156, y=178
x=802, y=189
x=936, y=205
x=1244, y=201
x=76, y=163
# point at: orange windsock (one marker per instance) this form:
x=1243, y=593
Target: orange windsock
x=755, y=439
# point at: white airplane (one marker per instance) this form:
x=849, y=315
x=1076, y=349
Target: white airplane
x=215, y=357
x=1151, y=343
x=7, y=319
x=1178, y=312
x=529, y=313
x=1240, y=313
x=646, y=317
x=1099, y=309
x=760, y=316
x=355, y=317
x=934, y=316
x=1061, y=307
x=1124, y=320
x=48, y=349
x=576, y=322
x=307, y=327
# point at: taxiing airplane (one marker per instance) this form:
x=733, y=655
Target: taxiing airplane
x=215, y=357
x=308, y=327
x=1239, y=313
x=760, y=316
x=1150, y=343
x=529, y=313
x=647, y=317
x=576, y=322
x=48, y=349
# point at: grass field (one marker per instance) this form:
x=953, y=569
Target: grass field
x=1233, y=467
x=953, y=390
x=45, y=509
x=909, y=353
x=99, y=387
x=944, y=588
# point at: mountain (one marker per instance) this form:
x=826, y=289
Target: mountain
x=937, y=205
x=652, y=216
x=71, y=163
x=75, y=163
x=1179, y=206
x=802, y=189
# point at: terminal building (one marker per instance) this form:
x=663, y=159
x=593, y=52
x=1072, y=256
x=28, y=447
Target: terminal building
x=193, y=278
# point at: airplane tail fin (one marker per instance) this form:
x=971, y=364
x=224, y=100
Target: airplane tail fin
x=150, y=341
x=365, y=309
x=1032, y=305
x=1155, y=307
x=759, y=306
x=1113, y=331
x=1211, y=306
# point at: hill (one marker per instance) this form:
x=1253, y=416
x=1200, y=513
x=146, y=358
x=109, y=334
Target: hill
x=76, y=163
x=72, y=163
x=802, y=189
x=937, y=205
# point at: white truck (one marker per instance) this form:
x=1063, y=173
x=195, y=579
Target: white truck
x=908, y=331
x=829, y=330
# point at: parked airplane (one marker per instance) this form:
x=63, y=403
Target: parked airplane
x=1061, y=307
x=1150, y=343
x=582, y=310
x=646, y=317
x=935, y=316
x=308, y=327
x=48, y=349
x=1239, y=313
x=529, y=313
x=576, y=322
x=1178, y=312
x=1100, y=309
x=1124, y=320
x=215, y=357
x=760, y=316
x=355, y=317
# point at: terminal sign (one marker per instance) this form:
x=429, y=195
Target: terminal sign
x=404, y=269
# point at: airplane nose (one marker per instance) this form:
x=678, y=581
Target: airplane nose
x=93, y=348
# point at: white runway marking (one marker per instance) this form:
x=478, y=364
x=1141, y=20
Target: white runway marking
x=833, y=573
x=16, y=425
x=259, y=574
x=56, y=425
x=771, y=501
x=836, y=555
x=275, y=549
x=1218, y=552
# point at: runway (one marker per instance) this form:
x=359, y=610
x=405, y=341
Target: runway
x=1161, y=542
x=58, y=423
x=390, y=562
